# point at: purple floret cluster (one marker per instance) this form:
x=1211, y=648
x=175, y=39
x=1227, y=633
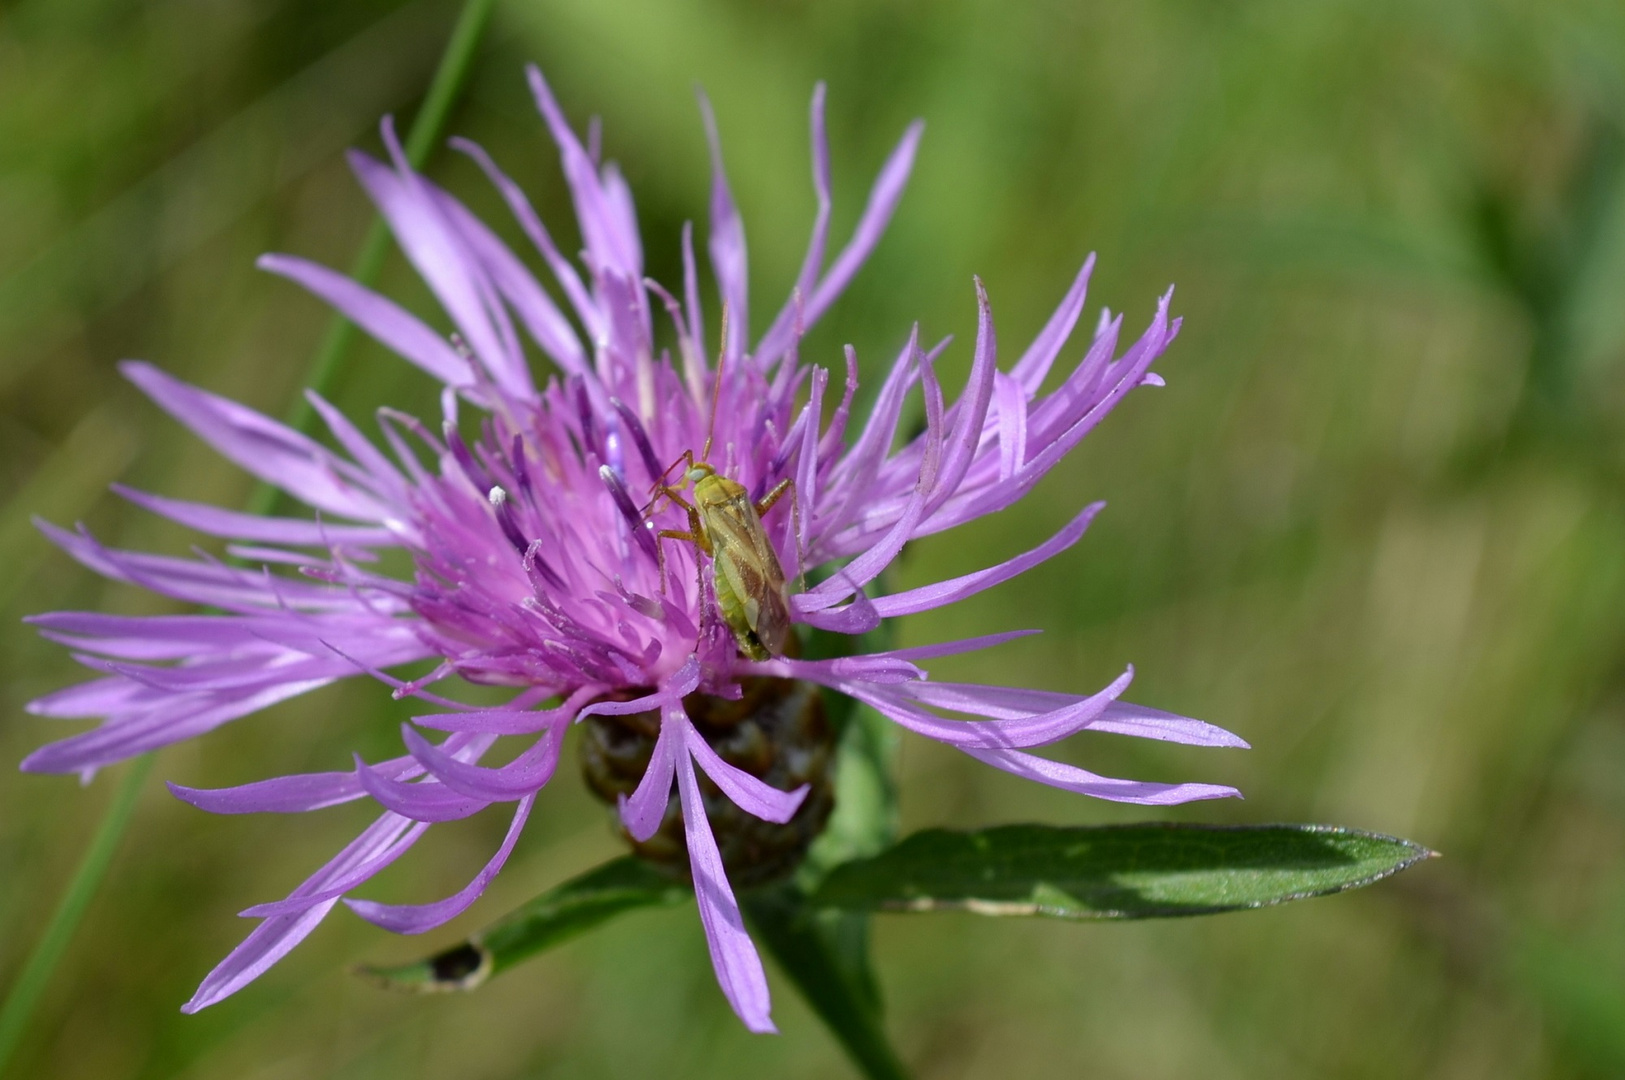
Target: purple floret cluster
x=536, y=562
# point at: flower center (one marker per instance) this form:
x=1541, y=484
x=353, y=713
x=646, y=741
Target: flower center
x=776, y=731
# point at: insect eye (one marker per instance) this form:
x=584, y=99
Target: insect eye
x=697, y=473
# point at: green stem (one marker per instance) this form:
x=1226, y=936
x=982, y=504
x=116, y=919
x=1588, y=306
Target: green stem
x=444, y=90
x=36, y=973
x=826, y=956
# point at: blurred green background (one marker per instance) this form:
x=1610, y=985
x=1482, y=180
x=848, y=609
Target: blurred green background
x=1374, y=524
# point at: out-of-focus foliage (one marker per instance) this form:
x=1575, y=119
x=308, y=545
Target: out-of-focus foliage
x=1374, y=524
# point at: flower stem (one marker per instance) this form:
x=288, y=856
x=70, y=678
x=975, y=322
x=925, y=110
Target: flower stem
x=36, y=973
x=449, y=79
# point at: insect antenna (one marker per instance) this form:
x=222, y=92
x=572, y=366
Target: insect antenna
x=661, y=488
x=716, y=385
x=795, y=529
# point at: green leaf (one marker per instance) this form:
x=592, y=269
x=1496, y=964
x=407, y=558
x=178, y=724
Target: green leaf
x=560, y=913
x=1115, y=871
x=826, y=955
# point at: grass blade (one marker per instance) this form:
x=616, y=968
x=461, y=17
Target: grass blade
x=36, y=973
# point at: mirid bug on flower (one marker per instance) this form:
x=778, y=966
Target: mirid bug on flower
x=726, y=524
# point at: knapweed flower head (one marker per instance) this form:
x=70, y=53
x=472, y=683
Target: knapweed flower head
x=533, y=513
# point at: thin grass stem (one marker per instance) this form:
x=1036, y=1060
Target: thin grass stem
x=444, y=90
x=36, y=973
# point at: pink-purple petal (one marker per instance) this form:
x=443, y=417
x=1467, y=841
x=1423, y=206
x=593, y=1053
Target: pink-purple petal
x=642, y=813
x=1037, y=729
x=295, y=794
x=749, y=793
x=438, y=254
x=961, y=645
x=569, y=281
x=524, y=775
x=733, y=956
x=1035, y=363
x=271, y=451
x=773, y=342
x=542, y=319
x=495, y=721
x=187, y=718
x=858, y=617
x=428, y=801
x=417, y=918
x=680, y=683
x=727, y=244
x=866, y=567
x=384, y=320
x=1011, y=403
x=1071, y=778
x=378, y=855
x=267, y=943
x=272, y=939
x=623, y=216
x=599, y=227
x=1123, y=718
x=240, y=526
x=952, y=591
x=971, y=409
x=883, y=200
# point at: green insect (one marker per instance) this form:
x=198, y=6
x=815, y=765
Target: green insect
x=724, y=523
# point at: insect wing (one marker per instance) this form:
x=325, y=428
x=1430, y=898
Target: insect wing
x=745, y=558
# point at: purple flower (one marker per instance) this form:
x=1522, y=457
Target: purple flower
x=537, y=567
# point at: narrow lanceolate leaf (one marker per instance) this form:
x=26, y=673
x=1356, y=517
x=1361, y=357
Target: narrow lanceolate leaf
x=1117, y=871
x=826, y=955
x=560, y=913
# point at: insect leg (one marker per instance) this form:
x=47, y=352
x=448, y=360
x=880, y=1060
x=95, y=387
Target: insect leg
x=676, y=497
x=660, y=552
x=697, y=539
x=766, y=502
x=695, y=535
